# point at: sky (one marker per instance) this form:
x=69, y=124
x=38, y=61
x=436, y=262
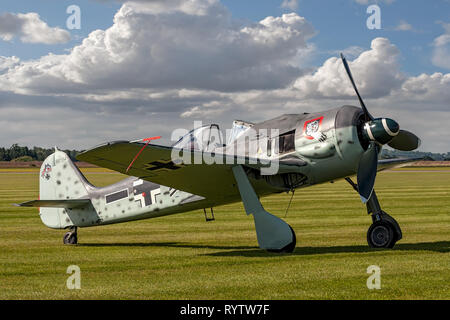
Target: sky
x=135, y=69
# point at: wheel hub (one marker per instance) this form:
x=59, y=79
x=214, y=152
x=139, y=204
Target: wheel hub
x=380, y=236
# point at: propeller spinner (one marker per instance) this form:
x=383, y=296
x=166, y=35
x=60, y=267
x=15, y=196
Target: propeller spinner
x=377, y=132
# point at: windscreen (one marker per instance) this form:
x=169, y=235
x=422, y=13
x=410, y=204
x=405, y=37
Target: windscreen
x=206, y=138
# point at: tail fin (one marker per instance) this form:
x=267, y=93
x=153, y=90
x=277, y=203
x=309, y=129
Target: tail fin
x=60, y=179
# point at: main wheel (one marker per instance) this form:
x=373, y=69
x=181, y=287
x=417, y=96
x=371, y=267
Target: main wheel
x=381, y=234
x=70, y=238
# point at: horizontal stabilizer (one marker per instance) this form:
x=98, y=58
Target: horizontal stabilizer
x=68, y=204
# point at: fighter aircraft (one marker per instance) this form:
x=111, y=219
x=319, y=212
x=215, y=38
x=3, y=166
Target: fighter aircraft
x=200, y=171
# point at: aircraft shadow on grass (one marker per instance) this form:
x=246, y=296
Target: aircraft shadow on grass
x=252, y=251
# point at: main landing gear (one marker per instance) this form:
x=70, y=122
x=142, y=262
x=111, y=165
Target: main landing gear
x=273, y=234
x=384, y=231
x=71, y=237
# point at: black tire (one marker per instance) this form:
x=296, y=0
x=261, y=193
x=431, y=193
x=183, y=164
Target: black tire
x=70, y=238
x=381, y=234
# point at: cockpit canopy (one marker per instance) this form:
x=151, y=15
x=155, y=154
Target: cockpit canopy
x=205, y=138
x=209, y=137
x=238, y=129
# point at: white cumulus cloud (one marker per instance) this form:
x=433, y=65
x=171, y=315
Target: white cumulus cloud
x=7, y=63
x=441, y=52
x=181, y=48
x=403, y=26
x=376, y=73
x=290, y=4
x=30, y=29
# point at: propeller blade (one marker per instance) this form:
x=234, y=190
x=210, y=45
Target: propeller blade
x=367, y=172
x=361, y=102
x=405, y=141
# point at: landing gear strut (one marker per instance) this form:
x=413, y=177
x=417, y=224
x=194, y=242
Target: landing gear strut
x=384, y=231
x=273, y=234
x=71, y=237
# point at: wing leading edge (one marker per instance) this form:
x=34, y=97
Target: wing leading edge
x=386, y=164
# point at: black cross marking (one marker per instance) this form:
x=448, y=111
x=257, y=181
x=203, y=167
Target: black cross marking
x=158, y=165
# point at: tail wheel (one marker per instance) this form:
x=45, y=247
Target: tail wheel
x=70, y=238
x=381, y=234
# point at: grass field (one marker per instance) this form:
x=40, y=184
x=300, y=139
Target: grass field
x=183, y=257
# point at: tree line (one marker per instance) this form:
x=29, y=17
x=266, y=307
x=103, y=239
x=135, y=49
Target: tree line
x=18, y=153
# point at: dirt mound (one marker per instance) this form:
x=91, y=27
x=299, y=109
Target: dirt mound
x=431, y=164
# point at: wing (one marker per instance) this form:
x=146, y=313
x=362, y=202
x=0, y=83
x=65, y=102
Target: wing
x=210, y=176
x=395, y=163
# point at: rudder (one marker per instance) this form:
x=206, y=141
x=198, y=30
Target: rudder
x=60, y=179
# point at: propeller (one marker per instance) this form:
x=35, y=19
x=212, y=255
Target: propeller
x=405, y=141
x=377, y=132
x=361, y=102
x=367, y=171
